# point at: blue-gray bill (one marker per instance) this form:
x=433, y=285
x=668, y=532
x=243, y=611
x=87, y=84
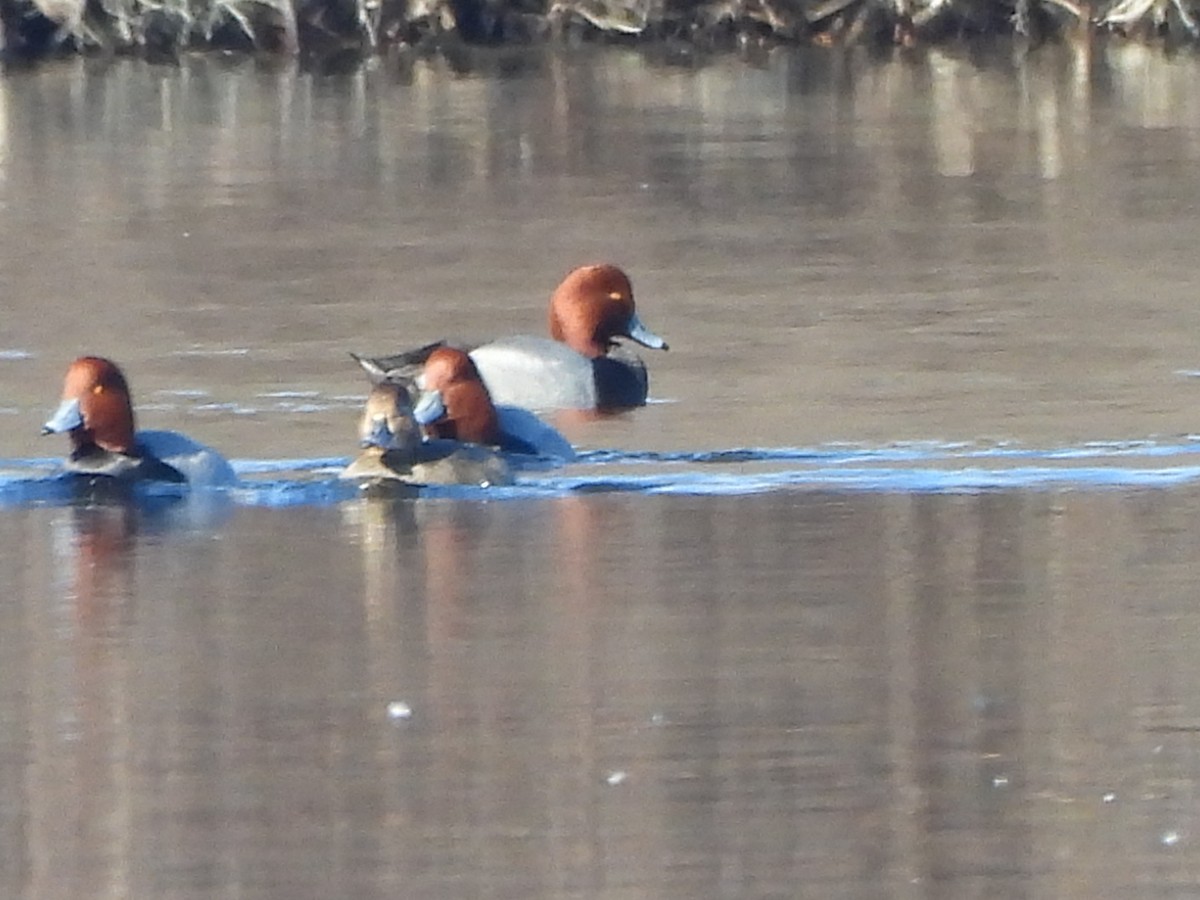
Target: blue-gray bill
x=67, y=417
x=644, y=336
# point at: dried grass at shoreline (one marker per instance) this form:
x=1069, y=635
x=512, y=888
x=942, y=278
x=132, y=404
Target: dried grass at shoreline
x=163, y=29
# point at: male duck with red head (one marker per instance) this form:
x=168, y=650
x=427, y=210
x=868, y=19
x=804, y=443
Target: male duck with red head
x=97, y=413
x=454, y=402
x=581, y=365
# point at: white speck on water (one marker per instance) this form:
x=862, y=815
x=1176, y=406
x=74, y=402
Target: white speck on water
x=615, y=778
x=15, y=354
x=302, y=407
x=1170, y=838
x=398, y=711
x=1000, y=781
x=213, y=351
x=233, y=408
x=1109, y=796
x=658, y=719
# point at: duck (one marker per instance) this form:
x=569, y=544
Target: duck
x=454, y=404
x=96, y=412
x=580, y=366
x=395, y=451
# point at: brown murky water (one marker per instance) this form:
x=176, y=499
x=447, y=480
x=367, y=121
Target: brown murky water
x=762, y=690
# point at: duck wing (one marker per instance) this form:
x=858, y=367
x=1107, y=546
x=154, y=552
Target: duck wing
x=404, y=366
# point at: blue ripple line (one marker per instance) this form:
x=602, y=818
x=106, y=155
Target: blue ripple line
x=281, y=493
x=890, y=480
x=273, y=466
x=843, y=454
x=312, y=481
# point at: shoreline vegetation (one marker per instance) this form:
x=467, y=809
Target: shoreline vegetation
x=164, y=29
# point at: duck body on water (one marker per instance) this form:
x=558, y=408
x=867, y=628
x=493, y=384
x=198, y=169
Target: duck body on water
x=580, y=366
x=96, y=412
x=394, y=449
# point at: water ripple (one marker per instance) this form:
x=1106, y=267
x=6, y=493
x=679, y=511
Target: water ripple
x=912, y=467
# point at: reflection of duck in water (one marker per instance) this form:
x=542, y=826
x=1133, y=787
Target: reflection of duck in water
x=394, y=451
x=97, y=412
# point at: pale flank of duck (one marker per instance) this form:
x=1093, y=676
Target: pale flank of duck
x=520, y=426
x=201, y=465
x=524, y=368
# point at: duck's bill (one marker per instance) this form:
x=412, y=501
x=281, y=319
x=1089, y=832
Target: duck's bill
x=643, y=335
x=378, y=434
x=67, y=417
x=429, y=408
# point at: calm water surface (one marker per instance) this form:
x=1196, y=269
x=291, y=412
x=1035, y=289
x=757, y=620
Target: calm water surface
x=890, y=592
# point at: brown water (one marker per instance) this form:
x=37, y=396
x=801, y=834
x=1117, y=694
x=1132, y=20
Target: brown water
x=664, y=673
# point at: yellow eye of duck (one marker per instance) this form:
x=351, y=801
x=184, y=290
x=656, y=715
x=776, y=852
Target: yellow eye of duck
x=98, y=389
x=616, y=295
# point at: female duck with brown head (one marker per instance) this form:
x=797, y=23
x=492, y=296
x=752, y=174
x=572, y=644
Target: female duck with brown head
x=97, y=413
x=394, y=452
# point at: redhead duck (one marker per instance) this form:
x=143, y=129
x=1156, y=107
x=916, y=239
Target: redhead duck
x=581, y=365
x=394, y=452
x=454, y=404
x=97, y=413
